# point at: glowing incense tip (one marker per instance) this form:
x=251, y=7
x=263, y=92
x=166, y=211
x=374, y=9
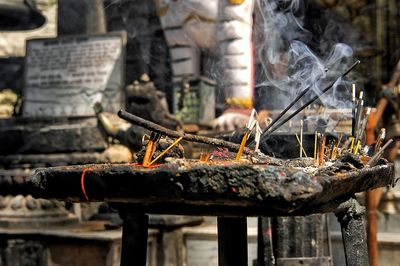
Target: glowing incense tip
x=204, y=157
x=148, y=153
x=151, y=148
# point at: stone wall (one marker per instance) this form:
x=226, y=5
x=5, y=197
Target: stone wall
x=12, y=44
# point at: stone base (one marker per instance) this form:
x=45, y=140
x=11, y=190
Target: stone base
x=86, y=244
x=50, y=135
x=113, y=154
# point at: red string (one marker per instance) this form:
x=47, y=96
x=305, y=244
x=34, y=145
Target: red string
x=91, y=169
x=83, y=182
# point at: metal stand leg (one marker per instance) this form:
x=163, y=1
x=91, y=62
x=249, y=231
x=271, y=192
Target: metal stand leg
x=134, y=238
x=265, y=254
x=232, y=241
x=351, y=218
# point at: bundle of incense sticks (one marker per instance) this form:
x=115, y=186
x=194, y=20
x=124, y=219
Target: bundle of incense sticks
x=251, y=124
x=319, y=149
x=359, y=120
x=151, y=148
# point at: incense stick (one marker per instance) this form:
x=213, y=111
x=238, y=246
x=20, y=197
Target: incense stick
x=381, y=137
x=166, y=150
x=301, y=137
x=353, y=111
x=322, y=151
x=352, y=144
x=301, y=147
x=250, y=125
x=359, y=112
x=257, y=136
x=377, y=155
x=363, y=124
x=150, y=148
x=288, y=107
x=315, y=147
x=310, y=101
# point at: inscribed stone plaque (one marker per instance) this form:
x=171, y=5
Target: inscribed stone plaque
x=66, y=76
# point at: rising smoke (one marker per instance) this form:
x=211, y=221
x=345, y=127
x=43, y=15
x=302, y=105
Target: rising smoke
x=294, y=55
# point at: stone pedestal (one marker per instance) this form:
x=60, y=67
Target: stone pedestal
x=86, y=244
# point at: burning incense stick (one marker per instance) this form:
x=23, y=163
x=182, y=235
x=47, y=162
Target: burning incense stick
x=322, y=151
x=242, y=145
x=301, y=138
x=250, y=125
x=288, y=107
x=360, y=135
x=204, y=157
x=359, y=111
x=310, y=101
x=353, y=111
x=358, y=144
x=379, y=140
x=335, y=149
x=150, y=148
x=377, y=155
x=166, y=150
x=257, y=136
x=339, y=140
x=315, y=148
x=352, y=144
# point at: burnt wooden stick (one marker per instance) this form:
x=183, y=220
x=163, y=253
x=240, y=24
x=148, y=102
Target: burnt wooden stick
x=310, y=101
x=176, y=134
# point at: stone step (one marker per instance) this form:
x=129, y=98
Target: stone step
x=201, y=244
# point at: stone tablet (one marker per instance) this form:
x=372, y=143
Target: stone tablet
x=66, y=76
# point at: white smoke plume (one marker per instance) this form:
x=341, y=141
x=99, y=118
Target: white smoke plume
x=289, y=64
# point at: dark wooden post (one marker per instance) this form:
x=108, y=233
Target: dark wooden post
x=372, y=201
x=134, y=238
x=232, y=241
x=351, y=219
